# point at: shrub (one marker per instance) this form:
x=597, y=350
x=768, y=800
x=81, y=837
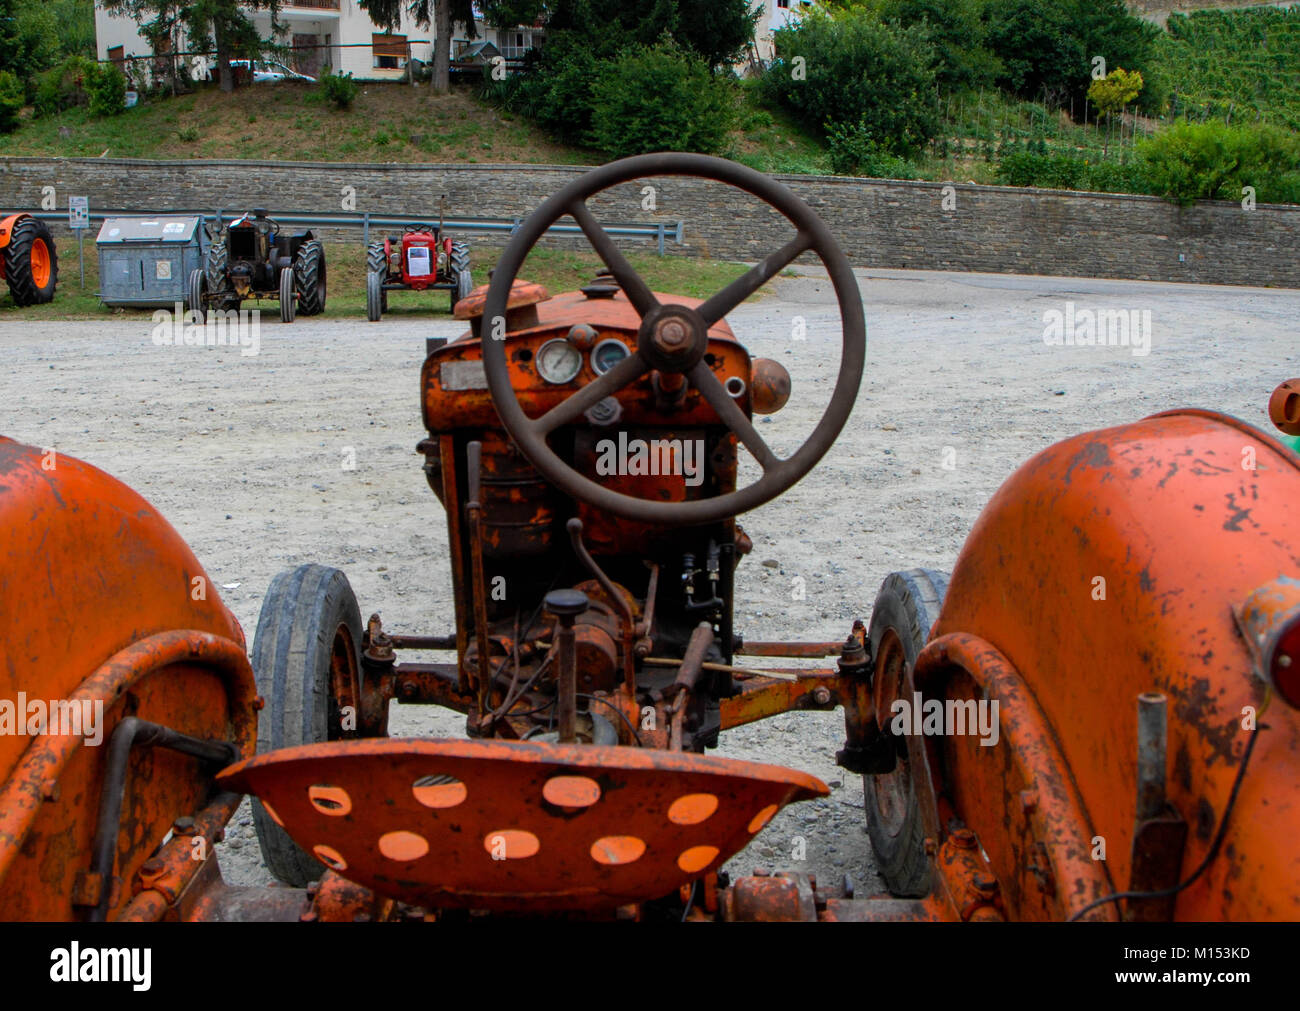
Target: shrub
x=854, y=152
x=106, y=87
x=1214, y=161
x=339, y=89
x=11, y=101
x=857, y=71
x=64, y=86
x=559, y=94
x=661, y=98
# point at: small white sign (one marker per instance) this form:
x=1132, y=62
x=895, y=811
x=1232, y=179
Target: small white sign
x=78, y=212
x=162, y=270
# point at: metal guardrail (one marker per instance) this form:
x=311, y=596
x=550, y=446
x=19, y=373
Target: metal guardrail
x=661, y=231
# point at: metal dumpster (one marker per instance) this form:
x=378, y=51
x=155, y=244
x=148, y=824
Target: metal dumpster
x=146, y=261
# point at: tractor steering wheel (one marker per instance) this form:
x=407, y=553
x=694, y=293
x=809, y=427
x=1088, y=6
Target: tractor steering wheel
x=674, y=338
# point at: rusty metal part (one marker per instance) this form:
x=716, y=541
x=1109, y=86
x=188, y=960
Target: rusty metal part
x=164, y=885
x=1151, y=745
x=130, y=733
x=1034, y=762
x=777, y=898
x=523, y=295
x=967, y=880
x=673, y=336
x=473, y=513
x=555, y=826
x=769, y=386
x=806, y=650
x=1284, y=407
x=566, y=605
x=1269, y=620
x=335, y=899
x=1112, y=564
x=760, y=697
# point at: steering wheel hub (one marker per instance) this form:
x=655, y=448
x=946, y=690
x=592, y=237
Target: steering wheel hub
x=673, y=338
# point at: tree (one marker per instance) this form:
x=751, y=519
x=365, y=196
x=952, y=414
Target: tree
x=438, y=14
x=1110, y=94
x=719, y=31
x=29, y=39
x=221, y=25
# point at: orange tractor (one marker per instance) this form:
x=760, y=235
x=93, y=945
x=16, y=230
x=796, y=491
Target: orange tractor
x=1094, y=718
x=28, y=261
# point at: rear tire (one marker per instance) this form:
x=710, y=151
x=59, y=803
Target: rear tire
x=217, y=262
x=309, y=629
x=459, y=257
x=464, y=285
x=31, y=264
x=905, y=610
x=374, y=296
x=309, y=276
x=286, y=295
x=197, y=289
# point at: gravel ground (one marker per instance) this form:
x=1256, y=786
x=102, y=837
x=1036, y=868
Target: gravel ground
x=245, y=454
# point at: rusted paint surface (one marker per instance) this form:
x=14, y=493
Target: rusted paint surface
x=761, y=697
x=499, y=833
x=1015, y=794
x=1170, y=514
x=97, y=602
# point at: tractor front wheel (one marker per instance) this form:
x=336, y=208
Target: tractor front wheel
x=307, y=644
x=905, y=610
x=374, y=296
x=31, y=266
x=286, y=295
x=198, y=287
x=309, y=276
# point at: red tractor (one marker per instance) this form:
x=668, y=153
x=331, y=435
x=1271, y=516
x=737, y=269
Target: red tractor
x=420, y=259
x=28, y=262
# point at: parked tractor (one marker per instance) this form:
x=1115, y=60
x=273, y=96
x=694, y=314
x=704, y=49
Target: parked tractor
x=28, y=261
x=420, y=259
x=1139, y=764
x=252, y=259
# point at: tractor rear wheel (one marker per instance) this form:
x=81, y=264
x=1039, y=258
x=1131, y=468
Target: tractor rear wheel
x=377, y=262
x=286, y=295
x=905, y=610
x=308, y=639
x=309, y=276
x=198, y=287
x=459, y=257
x=374, y=296
x=464, y=285
x=31, y=266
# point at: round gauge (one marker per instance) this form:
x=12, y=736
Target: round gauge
x=558, y=361
x=607, y=354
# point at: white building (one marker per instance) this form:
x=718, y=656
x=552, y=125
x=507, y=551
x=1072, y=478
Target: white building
x=340, y=35
x=323, y=33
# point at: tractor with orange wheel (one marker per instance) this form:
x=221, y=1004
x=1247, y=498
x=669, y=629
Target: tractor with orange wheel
x=28, y=261
x=1095, y=717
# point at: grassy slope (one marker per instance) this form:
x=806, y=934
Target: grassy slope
x=558, y=270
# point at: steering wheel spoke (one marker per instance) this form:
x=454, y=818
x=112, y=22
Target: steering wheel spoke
x=628, y=371
x=732, y=416
x=754, y=278
x=637, y=291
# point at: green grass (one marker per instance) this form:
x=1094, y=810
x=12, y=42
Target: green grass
x=558, y=269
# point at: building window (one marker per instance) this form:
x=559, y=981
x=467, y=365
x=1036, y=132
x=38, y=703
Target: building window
x=390, y=51
x=783, y=4
x=116, y=55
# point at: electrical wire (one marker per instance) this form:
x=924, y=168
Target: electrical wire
x=1164, y=893
x=621, y=715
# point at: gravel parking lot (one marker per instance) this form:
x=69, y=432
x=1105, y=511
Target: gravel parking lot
x=245, y=456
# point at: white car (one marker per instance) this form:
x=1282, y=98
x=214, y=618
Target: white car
x=267, y=70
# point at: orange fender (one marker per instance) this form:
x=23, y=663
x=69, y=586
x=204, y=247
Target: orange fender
x=7, y=227
x=1107, y=566
x=101, y=601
